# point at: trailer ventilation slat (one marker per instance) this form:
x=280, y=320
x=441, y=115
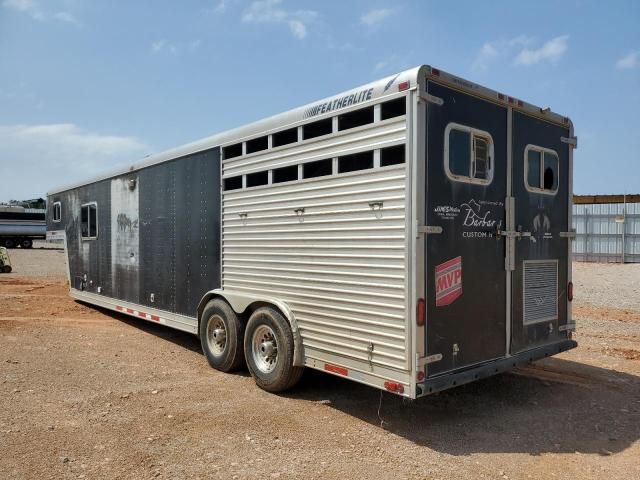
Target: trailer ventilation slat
x=540, y=291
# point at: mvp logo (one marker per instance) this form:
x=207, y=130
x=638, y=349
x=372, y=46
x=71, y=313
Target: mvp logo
x=448, y=278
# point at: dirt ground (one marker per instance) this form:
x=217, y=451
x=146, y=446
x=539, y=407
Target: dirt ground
x=86, y=393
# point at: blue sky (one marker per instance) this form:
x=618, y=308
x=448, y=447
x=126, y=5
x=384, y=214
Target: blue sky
x=88, y=85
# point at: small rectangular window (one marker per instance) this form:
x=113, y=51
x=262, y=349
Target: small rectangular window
x=285, y=137
x=393, y=108
x=57, y=211
x=541, y=169
x=233, y=183
x=257, y=179
x=468, y=154
x=317, y=129
x=355, y=118
x=392, y=155
x=257, y=144
x=285, y=174
x=355, y=162
x=89, y=221
x=319, y=168
x=232, y=151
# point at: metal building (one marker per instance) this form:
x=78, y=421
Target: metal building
x=607, y=228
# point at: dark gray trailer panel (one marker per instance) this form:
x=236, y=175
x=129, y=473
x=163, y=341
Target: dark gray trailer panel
x=167, y=255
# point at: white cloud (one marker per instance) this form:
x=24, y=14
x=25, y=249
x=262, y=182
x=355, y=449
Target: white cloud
x=271, y=11
x=374, y=17
x=551, y=51
x=158, y=46
x=36, y=158
x=66, y=17
x=35, y=11
x=298, y=29
x=164, y=45
x=494, y=50
x=30, y=7
x=629, y=61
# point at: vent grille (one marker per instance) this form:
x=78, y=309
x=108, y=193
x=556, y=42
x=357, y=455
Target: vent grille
x=540, y=291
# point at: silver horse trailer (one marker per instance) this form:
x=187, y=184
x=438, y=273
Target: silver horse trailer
x=411, y=234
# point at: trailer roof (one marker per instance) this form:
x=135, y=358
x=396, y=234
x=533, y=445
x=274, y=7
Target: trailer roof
x=300, y=115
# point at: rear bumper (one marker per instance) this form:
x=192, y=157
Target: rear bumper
x=454, y=379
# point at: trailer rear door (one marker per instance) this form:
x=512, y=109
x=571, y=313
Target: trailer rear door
x=466, y=179
x=540, y=186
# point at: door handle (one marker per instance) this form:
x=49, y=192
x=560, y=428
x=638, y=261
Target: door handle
x=512, y=234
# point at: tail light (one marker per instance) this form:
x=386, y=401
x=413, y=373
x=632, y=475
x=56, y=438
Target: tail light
x=404, y=86
x=420, y=312
x=394, y=387
x=570, y=291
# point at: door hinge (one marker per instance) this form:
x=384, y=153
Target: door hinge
x=428, y=98
x=430, y=229
x=567, y=327
x=573, y=141
x=569, y=234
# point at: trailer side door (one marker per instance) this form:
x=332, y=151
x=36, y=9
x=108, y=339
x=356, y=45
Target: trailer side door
x=466, y=179
x=540, y=189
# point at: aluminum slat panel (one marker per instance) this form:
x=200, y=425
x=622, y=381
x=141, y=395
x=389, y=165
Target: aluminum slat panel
x=340, y=266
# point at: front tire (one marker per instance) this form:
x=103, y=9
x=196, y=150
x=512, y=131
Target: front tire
x=221, y=335
x=268, y=349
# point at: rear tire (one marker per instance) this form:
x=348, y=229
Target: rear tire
x=9, y=243
x=26, y=243
x=268, y=350
x=221, y=335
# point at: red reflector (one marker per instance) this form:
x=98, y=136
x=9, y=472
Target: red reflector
x=118, y=307
x=520, y=104
x=570, y=291
x=142, y=315
x=435, y=71
x=335, y=369
x=420, y=375
x=420, y=312
x=394, y=387
x=129, y=310
x=155, y=317
x=511, y=99
x=403, y=86
x=500, y=96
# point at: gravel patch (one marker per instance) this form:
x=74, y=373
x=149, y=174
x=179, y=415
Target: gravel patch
x=43, y=260
x=608, y=285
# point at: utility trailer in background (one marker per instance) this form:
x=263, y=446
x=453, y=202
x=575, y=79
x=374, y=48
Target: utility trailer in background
x=411, y=234
x=20, y=226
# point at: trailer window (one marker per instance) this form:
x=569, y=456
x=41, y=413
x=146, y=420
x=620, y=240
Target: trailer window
x=317, y=129
x=232, y=151
x=355, y=118
x=393, y=108
x=285, y=137
x=257, y=144
x=285, y=174
x=319, y=168
x=355, y=162
x=391, y=155
x=233, y=183
x=89, y=221
x=541, y=170
x=257, y=179
x=468, y=154
x=57, y=211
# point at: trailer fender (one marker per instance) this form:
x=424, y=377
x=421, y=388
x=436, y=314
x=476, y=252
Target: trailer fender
x=241, y=303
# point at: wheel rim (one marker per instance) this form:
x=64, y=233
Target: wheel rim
x=264, y=349
x=216, y=335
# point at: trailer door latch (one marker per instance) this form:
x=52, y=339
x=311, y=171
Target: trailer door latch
x=430, y=229
x=569, y=234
